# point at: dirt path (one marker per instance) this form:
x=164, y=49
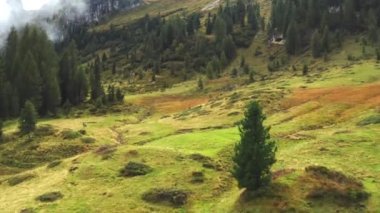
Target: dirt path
x=119, y=136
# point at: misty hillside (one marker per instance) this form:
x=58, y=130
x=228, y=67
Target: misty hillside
x=190, y=106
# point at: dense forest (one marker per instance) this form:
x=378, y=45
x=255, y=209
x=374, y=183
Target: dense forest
x=322, y=24
x=179, y=43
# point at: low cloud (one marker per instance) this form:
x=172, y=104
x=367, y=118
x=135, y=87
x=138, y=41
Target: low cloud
x=17, y=13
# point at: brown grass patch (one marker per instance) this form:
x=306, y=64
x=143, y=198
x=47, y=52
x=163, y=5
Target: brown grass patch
x=172, y=103
x=359, y=95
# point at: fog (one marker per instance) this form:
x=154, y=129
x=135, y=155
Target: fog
x=17, y=13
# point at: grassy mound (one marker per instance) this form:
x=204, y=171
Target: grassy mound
x=330, y=185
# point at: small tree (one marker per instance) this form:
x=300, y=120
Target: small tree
x=200, y=84
x=251, y=76
x=255, y=153
x=1, y=130
x=28, y=118
x=305, y=69
x=377, y=54
x=316, y=45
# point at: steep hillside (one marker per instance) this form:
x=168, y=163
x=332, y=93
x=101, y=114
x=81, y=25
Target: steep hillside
x=168, y=148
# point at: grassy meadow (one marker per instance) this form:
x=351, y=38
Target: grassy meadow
x=327, y=118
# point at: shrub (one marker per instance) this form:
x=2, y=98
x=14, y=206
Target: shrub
x=69, y=134
x=88, y=140
x=375, y=119
x=45, y=130
x=28, y=118
x=27, y=210
x=19, y=179
x=1, y=130
x=135, y=169
x=50, y=197
x=54, y=164
x=198, y=177
x=106, y=151
x=174, y=197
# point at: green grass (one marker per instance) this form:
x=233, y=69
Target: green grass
x=208, y=143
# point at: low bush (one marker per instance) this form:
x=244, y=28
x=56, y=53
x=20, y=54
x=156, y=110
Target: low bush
x=50, y=197
x=106, y=151
x=88, y=140
x=375, y=119
x=69, y=134
x=54, y=164
x=19, y=179
x=45, y=130
x=135, y=169
x=175, y=197
x=198, y=177
x=27, y=210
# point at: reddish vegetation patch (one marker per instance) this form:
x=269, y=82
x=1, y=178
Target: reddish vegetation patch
x=360, y=95
x=172, y=103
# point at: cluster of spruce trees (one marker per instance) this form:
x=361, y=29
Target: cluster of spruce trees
x=321, y=24
x=31, y=70
x=179, y=43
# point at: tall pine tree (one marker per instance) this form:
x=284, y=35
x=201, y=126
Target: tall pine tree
x=255, y=153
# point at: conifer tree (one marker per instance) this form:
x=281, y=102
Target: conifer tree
x=220, y=29
x=316, y=45
x=292, y=39
x=10, y=55
x=255, y=153
x=68, y=66
x=373, y=26
x=229, y=48
x=29, y=81
x=209, y=24
x=28, y=118
x=305, y=69
x=81, y=86
x=223, y=60
x=241, y=12
x=325, y=40
x=200, y=84
x=1, y=130
x=114, y=68
x=119, y=95
x=251, y=77
x=349, y=14
x=253, y=20
x=96, y=84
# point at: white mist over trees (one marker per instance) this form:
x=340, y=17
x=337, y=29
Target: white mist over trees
x=17, y=13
